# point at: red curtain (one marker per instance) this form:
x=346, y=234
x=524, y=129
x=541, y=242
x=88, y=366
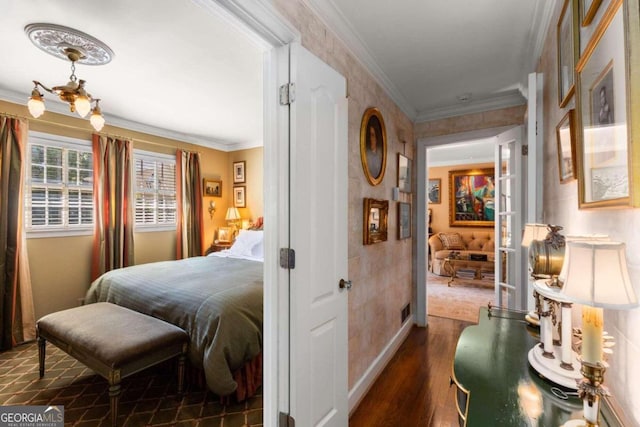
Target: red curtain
x=189, y=241
x=16, y=308
x=113, y=203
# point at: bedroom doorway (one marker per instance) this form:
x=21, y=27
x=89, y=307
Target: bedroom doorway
x=305, y=185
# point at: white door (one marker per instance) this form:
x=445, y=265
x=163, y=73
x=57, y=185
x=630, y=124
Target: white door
x=318, y=235
x=510, y=283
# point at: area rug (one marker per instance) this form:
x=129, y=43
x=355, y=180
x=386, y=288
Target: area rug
x=462, y=300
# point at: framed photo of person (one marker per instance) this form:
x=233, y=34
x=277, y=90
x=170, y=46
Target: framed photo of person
x=373, y=146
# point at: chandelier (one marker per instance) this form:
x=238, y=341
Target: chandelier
x=75, y=46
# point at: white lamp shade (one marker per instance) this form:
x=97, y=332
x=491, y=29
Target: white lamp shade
x=596, y=275
x=534, y=232
x=97, y=121
x=578, y=238
x=232, y=214
x=36, y=106
x=83, y=106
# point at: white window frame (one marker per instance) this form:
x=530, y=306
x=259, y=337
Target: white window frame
x=154, y=157
x=65, y=229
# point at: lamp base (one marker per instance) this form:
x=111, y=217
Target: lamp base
x=551, y=369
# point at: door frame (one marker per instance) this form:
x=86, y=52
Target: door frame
x=420, y=266
x=264, y=25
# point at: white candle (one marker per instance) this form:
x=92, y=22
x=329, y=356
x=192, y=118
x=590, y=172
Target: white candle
x=592, y=322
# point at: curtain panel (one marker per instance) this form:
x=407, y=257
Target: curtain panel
x=114, y=204
x=189, y=205
x=16, y=311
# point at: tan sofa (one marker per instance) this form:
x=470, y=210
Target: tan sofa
x=469, y=242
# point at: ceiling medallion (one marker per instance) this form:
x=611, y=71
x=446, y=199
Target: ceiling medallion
x=56, y=40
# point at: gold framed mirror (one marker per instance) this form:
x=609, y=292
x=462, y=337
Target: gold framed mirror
x=376, y=213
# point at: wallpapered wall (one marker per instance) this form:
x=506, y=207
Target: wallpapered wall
x=381, y=273
x=561, y=207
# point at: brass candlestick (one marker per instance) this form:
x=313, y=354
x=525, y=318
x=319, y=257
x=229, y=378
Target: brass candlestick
x=590, y=390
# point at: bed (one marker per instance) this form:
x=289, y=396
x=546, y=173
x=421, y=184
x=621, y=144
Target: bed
x=216, y=299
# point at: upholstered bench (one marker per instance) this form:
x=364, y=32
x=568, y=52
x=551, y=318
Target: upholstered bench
x=113, y=341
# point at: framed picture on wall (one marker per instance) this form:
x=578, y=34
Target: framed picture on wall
x=471, y=198
x=240, y=197
x=567, y=51
x=404, y=220
x=239, y=172
x=566, y=137
x=375, y=214
x=212, y=188
x=404, y=173
x=373, y=146
x=433, y=190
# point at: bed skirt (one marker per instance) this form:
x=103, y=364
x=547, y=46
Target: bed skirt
x=248, y=378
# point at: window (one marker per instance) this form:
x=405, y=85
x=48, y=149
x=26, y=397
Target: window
x=59, y=184
x=155, y=186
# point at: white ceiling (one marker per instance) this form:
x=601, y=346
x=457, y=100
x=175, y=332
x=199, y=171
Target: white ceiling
x=179, y=69
x=183, y=71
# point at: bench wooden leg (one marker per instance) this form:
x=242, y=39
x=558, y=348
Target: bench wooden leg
x=42, y=346
x=181, y=369
x=114, y=397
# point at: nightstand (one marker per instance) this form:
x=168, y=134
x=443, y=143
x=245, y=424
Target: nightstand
x=217, y=247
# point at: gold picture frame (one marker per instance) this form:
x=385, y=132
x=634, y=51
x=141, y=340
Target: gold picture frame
x=588, y=9
x=566, y=139
x=606, y=99
x=373, y=145
x=239, y=172
x=404, y=173
x=471, y=198
x=211, y=187
x=240, y=196
x=375, y=218
x=568, y=50
x=225, y=235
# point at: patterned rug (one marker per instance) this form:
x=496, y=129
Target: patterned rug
x=148, y=398
x=462, y=300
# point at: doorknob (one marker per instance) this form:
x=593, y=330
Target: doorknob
x=345, y=284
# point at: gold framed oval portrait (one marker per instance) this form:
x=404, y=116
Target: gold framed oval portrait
x=373, y=145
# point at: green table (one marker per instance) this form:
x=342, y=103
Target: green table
x=493, y=377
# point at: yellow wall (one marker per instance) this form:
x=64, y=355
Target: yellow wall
x=440, y=211
x=60, y=266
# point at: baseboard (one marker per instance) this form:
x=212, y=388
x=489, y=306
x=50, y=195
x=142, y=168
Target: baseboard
x=363, y=385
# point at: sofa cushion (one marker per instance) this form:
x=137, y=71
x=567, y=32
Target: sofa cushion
x=452, y=241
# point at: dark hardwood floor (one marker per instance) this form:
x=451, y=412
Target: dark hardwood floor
x=413, y=390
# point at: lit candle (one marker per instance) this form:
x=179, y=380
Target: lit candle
x=592, y=321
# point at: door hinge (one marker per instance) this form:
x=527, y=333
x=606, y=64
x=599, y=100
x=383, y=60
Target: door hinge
x=287, y=258
x=287, y=94
x=525, y=150
x=286, y=420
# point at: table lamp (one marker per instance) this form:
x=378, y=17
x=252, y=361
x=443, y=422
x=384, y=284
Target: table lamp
x=597, y=277
x=232, y=217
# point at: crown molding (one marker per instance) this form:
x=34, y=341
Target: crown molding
x=537, y=36
x=507, y=99
x=217, y=144
x=335, y=20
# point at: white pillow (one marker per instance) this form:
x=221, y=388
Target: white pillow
x=246, y=241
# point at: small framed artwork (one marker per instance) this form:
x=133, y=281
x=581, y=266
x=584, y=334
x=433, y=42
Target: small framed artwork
x=567, y=51
x=588, y=9
x=404, y=220
x=212, y=188
x=471, y=198
x=239, y=172
x=566, y=136
x=240, y=197
x=433, y=190
x=373, y=146
x=225, y=235
x=404, y=173
x=602, y=159
x=376, y=213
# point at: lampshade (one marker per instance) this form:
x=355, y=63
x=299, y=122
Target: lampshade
x=232, y=214
x=578, y=238
x=596, y=275
x=534, y=232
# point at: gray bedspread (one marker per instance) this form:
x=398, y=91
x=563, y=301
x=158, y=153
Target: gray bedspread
x=218, y=301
